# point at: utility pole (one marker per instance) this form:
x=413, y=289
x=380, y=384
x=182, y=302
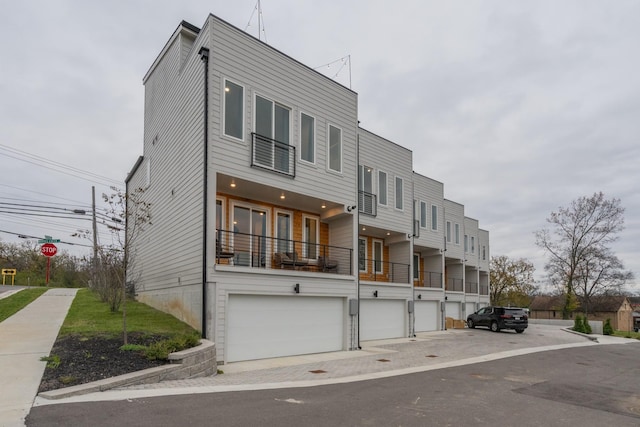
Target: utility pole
x=95, y=238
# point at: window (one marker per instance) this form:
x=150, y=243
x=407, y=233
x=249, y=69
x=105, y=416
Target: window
x=335, y=148
x=283, y=231
x=382, y=188
x=250, y=230
x=423, y=215
x=484, y=253
x=377, y=256
x=449, y=231
x=310, y=237
x=457, y=233
x=473, y=244
x=273, y=122
x=233, y=110
x=399, y=193
x=466, y=243
x=307, y=138
x=416, y=266
x=434, y=217
x=366, y=200
x=362, y=255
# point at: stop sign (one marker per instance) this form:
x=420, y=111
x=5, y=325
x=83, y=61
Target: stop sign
x=48, y=249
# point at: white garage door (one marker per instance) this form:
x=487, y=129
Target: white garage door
x=427, y=314
x=453, y=310
x=260, y=327
x=380, y=319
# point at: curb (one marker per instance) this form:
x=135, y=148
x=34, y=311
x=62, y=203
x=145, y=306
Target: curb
x=587, y=336
x=190, y=363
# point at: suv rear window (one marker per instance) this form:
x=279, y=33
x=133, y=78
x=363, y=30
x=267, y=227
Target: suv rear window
x=514, y=311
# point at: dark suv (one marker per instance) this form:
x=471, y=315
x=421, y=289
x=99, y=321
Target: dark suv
x=497, y=318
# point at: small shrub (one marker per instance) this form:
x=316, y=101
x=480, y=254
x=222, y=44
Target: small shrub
x=586, y=325
x=607, y=329
x=161, y=349
x=67, y=379
x=53, y=361
x=578, y=324
x=133, y=347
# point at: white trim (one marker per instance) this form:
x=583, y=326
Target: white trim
x=328, y=147
x=315, y=139
x=224, y=110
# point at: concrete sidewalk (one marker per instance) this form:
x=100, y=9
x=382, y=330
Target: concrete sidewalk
x=25, y=338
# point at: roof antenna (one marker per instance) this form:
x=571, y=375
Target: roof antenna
x=345, y=61
x=261, y=30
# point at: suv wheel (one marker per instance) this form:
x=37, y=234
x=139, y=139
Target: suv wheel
x=495, y=327
x=470, y=324
x=519, y=331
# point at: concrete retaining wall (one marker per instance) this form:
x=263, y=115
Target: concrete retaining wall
x=596, y=325
x=194, y=362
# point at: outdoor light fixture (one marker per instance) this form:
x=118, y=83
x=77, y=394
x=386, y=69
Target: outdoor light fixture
x=375, y=294
x=296, y=288
x=419, y=296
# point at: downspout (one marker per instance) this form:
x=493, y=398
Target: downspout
x=204, y=56
x=357, y=265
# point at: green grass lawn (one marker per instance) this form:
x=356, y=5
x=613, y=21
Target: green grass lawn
x=89, y=316
x=625, y=334
x=16, y=302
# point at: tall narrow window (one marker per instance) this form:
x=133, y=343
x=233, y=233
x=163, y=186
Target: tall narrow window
x=449, y=231
x=362, y=255
x=423, y=215
x=283, y=231
x=335, y=148
x=307, y=138
x=377, y=256
x=249, y=238
x=416, y=266
x=466, y=243
x=484, y=253
x=311, y=235
x=366, y=200
x=233, y=110
x=457, y=233
x=473, y=244
x=399, y=193
x=382, y=188
x=434, y=217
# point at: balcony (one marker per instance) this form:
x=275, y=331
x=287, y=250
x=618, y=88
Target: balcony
x=431, y=279
x=484, y=289
x=367, y=203
x=383, y=271
x=272, y=155
x=262, y=252
x=454, y=285
x=471, y=288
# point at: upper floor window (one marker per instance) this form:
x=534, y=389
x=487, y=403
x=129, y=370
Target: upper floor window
x=272, y=149
x=416, y=266
x=473, y=244
x=466, y=243
x=233, y=110
x=448, y=231
x=335, y=148
x=307, y=138
x=272, y=120
x=457, y=233
x=484, y=253
x=423, y=215
x=399, y=193
x=382, y=188
x=366, y=198
x=434, y=217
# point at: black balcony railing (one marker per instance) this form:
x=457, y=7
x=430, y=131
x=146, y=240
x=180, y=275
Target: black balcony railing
x=455, y=285
x=431, y=279
x=367, y=203
x=384, y=271
x=484, y=289
x=256, y=251
x=471, y=288
x=267, y=153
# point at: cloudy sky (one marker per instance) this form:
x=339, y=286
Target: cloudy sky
x=518, y=107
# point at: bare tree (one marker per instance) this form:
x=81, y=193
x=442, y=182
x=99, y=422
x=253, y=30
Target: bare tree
x=578, y=245
x=512, y=281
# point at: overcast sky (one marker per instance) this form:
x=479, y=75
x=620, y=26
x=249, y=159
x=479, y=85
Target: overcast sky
x=518, y=107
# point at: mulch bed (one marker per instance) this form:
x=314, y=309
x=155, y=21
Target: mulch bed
x=84, y=360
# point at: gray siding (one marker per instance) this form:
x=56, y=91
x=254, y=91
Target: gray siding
x=262, y=70
x=454, y=212
x=471, y=230
x=432, y=193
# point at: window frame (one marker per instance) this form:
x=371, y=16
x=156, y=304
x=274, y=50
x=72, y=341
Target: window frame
x=364, y=258
x=434, y=214
x=224, y=110
x=447, y=231
x=329, y=168
x=401, y=198
x=423, y=214
x=416, y=266
x=374, y=243
x=305, y=250
x=382, y=188
x=276, y=228
x=314, y=133
x=456, y=234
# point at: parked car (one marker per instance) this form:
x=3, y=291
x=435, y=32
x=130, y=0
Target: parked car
x=496, y=318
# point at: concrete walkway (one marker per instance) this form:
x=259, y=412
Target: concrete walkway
x=25, y=338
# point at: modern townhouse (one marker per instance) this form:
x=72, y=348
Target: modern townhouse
x=279, y=227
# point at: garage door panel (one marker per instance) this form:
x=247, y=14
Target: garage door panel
x=381, y=319
x=260, y=326
x=453, y=310
x=426, y=313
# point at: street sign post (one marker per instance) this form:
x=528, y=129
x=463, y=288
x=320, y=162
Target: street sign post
x=48, y=250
